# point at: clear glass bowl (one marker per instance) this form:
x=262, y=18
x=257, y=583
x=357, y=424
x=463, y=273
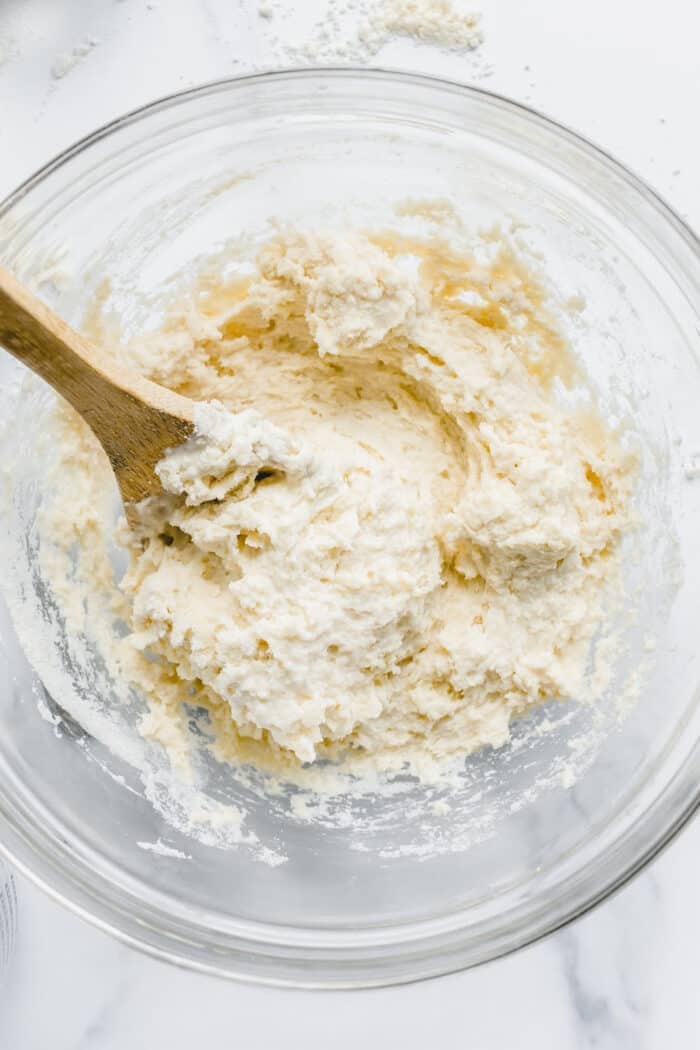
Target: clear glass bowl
x=521, y=849
x=8, y=918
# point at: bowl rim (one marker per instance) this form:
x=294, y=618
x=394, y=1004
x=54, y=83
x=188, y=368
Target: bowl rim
x=447, y=962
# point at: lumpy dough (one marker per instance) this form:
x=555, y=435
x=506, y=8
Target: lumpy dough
x=389, y=534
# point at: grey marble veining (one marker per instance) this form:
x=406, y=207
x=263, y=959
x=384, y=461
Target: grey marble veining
x=608, y=961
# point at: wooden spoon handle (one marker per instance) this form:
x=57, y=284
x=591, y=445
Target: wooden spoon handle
x=135, y=420
x=51, y=348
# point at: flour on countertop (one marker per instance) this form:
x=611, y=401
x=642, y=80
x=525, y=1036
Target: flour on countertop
x=8, y=50
x=65, y=63
x=433, y=21
x=356, y=30
x=163, y=850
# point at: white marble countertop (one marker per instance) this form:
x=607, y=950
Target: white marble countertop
x=627, y=74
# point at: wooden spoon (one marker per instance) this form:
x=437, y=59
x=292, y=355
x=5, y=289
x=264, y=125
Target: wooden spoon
x=134, y=420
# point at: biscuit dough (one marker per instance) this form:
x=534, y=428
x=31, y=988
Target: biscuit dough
x=390, y=533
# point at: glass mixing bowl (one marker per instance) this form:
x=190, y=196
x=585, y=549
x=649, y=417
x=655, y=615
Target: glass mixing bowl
x=8, y=919
x=535, y=832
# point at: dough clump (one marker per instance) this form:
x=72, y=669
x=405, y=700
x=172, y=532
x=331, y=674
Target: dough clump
x=390, y=533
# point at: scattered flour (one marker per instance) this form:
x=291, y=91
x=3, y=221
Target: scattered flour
x=433, y=21
x=65, y=63
x=8, y=50
x=692, y=467
x=354, y=31
x=162, y=850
